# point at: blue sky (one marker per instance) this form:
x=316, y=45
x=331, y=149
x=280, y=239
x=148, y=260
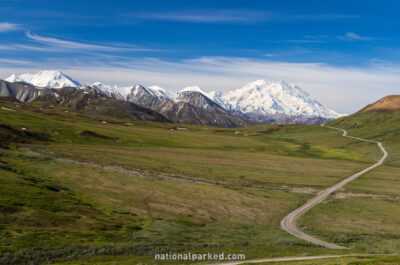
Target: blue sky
x=345, y=53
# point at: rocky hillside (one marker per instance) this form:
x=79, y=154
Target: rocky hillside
x=191, y=105
x=77, y=99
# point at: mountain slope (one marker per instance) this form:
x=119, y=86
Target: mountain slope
x=150, y=97
x=198, y=98
x=183, y=112
x=191, y=105
x=385, y=111
x=379, y=121
x=96, y=104
x=87, y=102
x=47, y=79
x=146, y=96
x=386, y=104
x=19, y=91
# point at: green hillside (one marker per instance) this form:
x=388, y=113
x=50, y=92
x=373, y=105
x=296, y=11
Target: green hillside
x=366, y=212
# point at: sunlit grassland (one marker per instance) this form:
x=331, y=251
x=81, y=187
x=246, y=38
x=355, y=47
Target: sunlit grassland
x=244, y=168
x=365, y=213
x=51, y=203
x=227, y=188
x=371, y=223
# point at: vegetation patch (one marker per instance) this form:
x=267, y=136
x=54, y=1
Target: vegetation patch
x=9, y=134
x=89, y=134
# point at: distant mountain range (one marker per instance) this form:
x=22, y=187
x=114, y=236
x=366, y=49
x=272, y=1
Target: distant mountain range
x=258, y=101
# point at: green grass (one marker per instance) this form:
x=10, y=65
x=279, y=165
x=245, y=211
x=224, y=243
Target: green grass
x=365, y=213
x=138, y=189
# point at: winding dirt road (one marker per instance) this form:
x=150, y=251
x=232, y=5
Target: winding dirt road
x=289, y=222
x=298, y=258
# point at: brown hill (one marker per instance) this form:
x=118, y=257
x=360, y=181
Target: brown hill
x=386, y=104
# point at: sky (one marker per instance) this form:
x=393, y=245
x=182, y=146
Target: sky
x=344, y=53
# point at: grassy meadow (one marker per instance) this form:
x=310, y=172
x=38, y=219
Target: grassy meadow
x=365, y=213
x=81, y=189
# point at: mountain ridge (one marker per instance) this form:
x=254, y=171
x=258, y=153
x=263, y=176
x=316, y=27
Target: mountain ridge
x=77, y=99
x=258, y=101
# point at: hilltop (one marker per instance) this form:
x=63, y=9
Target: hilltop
x=386, y=104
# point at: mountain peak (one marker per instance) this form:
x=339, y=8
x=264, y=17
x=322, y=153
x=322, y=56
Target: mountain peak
x=97, y=83
x=45, y=78
x=157, y=88
x=160, y=92
x=138, y=86
x=192, y=89
x=266, y=98
x=50, y=72
x=195, y=89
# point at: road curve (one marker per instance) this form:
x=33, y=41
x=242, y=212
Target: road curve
x=297, y=258
x=289, y=221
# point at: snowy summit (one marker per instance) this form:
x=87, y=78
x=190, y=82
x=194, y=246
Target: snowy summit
x=194, y=89
x=262, y=97
x=46, y=79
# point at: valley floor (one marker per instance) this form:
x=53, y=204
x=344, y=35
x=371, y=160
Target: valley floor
x=75, y=189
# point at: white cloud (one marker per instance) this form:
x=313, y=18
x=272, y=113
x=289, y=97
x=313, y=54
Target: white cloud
x=232, y=16
x=81, y=46
x=351, y=36
x=207, y=16
x=5, y=27
x=11, y=61
x=344, y=89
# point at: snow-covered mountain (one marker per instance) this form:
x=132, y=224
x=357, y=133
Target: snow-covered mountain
x=261, y=101
x=131, y=91
x=189, y=105
x=46, y=79
x=193, y=89
x=161, y=93
x=149, y=97
x=109, y=91
x=273, y=98
x=196, y=96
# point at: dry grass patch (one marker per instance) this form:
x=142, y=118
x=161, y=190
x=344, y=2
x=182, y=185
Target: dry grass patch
x=245, y=168
x=384, y=180
x=155, y=198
